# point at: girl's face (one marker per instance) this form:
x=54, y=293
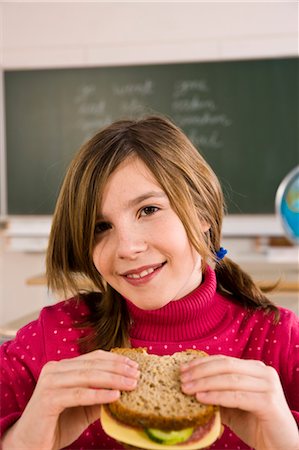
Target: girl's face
x=141, y=248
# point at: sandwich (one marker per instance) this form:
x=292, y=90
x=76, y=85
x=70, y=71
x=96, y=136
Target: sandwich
x=157, y=415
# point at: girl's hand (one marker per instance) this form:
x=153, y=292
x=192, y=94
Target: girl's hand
x=251, y=398
x=67, y=399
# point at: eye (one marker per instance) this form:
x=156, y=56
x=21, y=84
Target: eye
x=149, y=210
x=101, y=227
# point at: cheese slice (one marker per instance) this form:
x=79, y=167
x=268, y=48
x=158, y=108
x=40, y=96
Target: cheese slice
x=138, y=438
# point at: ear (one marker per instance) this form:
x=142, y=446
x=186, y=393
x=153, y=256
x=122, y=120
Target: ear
x=204, y=226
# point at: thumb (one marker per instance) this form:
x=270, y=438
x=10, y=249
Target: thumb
x=226, y=416
x=93, y=413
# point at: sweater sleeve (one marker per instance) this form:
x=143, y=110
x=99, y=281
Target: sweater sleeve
x=21, y=363
x=290, y=366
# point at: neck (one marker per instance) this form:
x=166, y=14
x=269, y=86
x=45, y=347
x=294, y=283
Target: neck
x=190, y=317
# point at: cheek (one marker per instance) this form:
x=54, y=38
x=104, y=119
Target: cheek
x=177, y=238
x=181, y=249
x=99, y=259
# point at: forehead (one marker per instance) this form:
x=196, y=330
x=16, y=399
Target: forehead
x=132, y=179
x=131, y=167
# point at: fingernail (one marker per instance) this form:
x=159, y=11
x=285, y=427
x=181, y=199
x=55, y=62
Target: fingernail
x=185, y=377
x=130, y=382
x=113, y=395
x=132, y=371
x=187, y=366
x=132, y=363
x=187, y=387
x=201, y=395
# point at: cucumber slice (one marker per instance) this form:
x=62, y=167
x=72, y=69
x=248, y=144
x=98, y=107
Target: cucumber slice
x=169, y=437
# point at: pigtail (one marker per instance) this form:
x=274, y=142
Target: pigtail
x=108, y=319
x=233, y=280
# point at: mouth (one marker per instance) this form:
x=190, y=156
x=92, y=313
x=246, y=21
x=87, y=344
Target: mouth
x=142, y=273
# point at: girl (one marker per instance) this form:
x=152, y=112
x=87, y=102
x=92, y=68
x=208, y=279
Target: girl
x=139, y=216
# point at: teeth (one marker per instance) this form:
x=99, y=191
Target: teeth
x=141, y=274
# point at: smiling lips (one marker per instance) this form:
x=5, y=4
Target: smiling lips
x=143, y=273
x=140, y=275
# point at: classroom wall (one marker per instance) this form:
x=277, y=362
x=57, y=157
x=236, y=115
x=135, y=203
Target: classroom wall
x=47, y=34
x=67, y=34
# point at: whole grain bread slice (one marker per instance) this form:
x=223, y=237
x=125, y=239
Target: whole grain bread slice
x=158, y=401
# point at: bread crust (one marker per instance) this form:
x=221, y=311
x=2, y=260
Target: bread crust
x=197, y=413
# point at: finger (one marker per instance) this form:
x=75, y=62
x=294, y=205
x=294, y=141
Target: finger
x=103, y=355
x=74, y=397
x=113, y=366
x=226, y=382
x=84, y=397
x=89, y=377
x=220, y=364
x=219, y=360
x=246, y=401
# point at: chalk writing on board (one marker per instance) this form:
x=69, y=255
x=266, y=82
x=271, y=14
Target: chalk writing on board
x=132, y=98
x=194, y=109
x=85, y=92
x=205, y=119
x=143, y=88
x=205, y=140
x=183, y=87
x=96, y=107
x=91, y=110
x=193, y=104
x=132, y=106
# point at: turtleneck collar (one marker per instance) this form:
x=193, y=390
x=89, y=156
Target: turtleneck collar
x=193, y=316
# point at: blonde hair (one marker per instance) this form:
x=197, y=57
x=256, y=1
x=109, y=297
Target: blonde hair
x=194, y=193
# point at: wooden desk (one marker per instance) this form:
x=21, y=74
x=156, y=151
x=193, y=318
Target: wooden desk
x=41, y=280
x=286, y=286
x=37, y=280
x=8, y=330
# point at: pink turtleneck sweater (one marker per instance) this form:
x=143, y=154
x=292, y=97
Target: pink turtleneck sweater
x=203, y=319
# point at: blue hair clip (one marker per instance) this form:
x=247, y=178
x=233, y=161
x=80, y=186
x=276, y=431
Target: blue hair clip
x=221, y=253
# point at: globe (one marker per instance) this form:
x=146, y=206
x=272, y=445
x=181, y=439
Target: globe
x=287, y=204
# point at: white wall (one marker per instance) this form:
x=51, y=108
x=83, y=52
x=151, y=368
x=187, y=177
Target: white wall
x=40, y=34
x=60, y=34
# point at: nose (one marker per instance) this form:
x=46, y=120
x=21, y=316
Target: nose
x=130, y=243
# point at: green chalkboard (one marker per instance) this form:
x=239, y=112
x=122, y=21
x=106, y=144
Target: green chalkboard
x=242, y=115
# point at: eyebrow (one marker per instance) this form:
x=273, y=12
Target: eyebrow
x=141, y=198
x=146, y=196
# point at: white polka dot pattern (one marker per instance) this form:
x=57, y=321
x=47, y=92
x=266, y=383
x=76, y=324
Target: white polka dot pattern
x=54, y=336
